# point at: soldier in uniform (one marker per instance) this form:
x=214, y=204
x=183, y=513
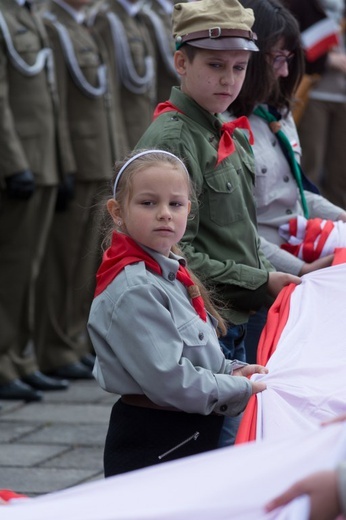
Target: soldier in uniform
x=93, y=116
x=158, y=14
x=121, y=24
x=29, y=176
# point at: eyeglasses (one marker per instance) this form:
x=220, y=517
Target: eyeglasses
x=279, y=59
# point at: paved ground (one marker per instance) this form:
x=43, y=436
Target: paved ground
x=56, y=443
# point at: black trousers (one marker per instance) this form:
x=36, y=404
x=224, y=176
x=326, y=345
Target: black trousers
x=138, y=437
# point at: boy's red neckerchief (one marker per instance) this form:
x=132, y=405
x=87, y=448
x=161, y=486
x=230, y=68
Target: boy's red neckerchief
x=226, y=144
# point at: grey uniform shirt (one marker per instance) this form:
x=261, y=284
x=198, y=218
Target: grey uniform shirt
x=276, y=193
x=149, y=340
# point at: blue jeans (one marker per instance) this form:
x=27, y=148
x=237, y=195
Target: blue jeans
x=254, y=330
x=233, y=347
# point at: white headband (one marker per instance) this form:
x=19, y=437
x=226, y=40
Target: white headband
x=145, y=152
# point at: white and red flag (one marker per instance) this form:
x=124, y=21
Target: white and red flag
x=319, y=38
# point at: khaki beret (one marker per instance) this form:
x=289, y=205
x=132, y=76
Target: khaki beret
x=214, y=24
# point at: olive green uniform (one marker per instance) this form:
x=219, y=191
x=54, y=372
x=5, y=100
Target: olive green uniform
x=221, y=240
x=66, y=283
x=158, y=16
x=132, y=54
x=28, y=141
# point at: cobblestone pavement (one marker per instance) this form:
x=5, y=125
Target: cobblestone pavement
x=56, y=443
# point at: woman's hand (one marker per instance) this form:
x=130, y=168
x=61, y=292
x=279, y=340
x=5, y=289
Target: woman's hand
x=322, y=489
x=320, y=263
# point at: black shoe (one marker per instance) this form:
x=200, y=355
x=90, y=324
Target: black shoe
x=39, y=381
x=73, y=371
x=16, y=389
x=88, y=360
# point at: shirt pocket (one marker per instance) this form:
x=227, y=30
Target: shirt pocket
x=224, y=194
x=201, y=345
x=195, y=333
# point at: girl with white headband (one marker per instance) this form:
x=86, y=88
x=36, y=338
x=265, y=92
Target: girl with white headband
x=154, y=329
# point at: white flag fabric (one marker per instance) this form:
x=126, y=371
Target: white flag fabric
x=305, y=385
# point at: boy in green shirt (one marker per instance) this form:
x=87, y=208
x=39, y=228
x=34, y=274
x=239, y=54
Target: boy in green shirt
x=214, y=43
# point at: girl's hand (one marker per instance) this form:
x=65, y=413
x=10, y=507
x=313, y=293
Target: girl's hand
x=248, y=370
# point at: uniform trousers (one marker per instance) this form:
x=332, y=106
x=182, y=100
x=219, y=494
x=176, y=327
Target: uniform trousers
x=139, y=437
x=67, y=280
x=24, y=225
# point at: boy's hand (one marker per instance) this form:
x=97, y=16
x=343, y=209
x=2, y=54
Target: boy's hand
x=278, y=281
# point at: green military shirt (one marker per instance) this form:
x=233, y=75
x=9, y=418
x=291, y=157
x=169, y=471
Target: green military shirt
x=221, y=241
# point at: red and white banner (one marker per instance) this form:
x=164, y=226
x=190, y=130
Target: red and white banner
x=303, y=346
x=310, y=239
x=319, y=38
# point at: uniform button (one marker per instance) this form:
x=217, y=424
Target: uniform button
x=274, y=143
x=171, y=277
x=229, y=186
x=223, y=408
x=286, y=178
x=288, y=212
x=200, y=336
x=264, y=170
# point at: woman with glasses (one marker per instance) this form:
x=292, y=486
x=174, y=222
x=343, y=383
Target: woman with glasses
x=281, y=191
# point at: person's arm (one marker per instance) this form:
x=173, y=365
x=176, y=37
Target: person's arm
x=326, y=489
x=320, y=207
x=322, y=489
x=12, y=157
x=140, y=339
x=282, y=260
x=289, y=263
